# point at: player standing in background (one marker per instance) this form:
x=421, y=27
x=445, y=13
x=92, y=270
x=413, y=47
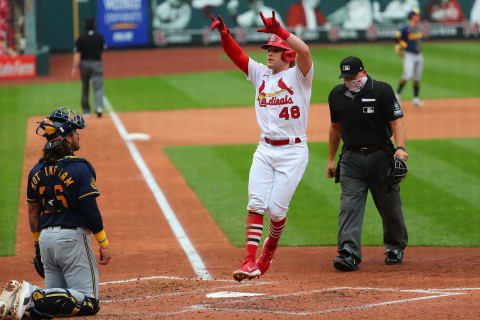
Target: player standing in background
x=408, y=47
x=88, y=57
x=282, y=103
x=62, y=210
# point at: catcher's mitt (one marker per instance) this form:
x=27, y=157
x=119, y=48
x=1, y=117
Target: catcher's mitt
x=37, y=261
x=399, y=170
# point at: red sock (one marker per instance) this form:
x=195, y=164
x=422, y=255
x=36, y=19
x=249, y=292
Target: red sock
x=276, y=229
x=253, y=233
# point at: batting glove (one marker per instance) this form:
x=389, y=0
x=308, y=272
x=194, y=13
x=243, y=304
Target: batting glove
x=220, y=25
x=272, y=25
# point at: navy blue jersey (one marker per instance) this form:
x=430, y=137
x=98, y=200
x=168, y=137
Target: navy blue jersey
x=409, y=38
x=59, y=188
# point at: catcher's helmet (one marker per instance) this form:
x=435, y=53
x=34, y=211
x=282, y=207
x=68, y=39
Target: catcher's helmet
x=288, y=55
x=399, y=170
x=60, y=124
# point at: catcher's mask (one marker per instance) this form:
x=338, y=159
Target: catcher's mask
x=288, y=55
x=399, y=170
x=59, y=124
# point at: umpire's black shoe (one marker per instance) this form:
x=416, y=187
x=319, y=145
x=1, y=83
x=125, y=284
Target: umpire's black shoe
x=99, y=114
x=393, y=256
x=346, y=262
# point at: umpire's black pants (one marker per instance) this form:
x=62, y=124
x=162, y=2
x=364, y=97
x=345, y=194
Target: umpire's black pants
x=359, y=173
x=92, y=70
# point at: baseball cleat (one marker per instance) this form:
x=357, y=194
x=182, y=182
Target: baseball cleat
x=265, y=260
x=416, y=102
x=248, y=270
x=346, y=261
x=8, y=297
x=393, y=256
x=23, y=300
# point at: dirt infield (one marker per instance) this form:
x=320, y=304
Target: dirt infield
x=152, y=277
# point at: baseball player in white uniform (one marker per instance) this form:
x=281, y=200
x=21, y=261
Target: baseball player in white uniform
x=282, y=102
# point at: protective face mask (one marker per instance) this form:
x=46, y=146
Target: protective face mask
x=356, y=85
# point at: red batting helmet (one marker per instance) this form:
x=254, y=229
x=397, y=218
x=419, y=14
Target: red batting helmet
x=288, y=55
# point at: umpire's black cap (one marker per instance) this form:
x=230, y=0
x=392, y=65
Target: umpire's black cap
x=350, y=67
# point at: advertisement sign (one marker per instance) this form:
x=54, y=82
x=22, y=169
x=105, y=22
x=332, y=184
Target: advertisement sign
x=186, y=22
x=17, y=67
x=123, y=23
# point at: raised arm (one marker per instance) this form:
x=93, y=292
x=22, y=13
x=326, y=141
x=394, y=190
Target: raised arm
x=230, y=46
x=304, y=58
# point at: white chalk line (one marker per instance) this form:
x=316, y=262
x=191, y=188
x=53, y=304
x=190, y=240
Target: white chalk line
x=210, y=307
x=186, y=244
x=434, y=294
x=176, y=278
x=180, y=293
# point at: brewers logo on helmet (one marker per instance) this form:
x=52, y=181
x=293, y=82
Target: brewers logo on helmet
x=60, y=124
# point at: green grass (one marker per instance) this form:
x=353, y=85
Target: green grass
x=17, y=103
x=440, y=194
x=451, y=70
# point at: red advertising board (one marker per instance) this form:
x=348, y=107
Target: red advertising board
x=18, y=67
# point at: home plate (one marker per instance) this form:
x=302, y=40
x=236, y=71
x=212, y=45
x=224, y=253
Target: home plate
x=138, y=136
x=232, y=294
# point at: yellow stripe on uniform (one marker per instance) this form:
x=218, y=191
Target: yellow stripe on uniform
x=92, y=270
x=87, y=194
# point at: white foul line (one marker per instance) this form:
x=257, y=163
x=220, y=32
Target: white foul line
x=216, y=307
x=437, y=293
x=192, y=255
x=177, y=278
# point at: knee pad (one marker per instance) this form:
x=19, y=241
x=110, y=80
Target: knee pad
x=63, y=304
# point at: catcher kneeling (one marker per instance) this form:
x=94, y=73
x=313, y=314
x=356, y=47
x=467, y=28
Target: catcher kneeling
x=62, y=210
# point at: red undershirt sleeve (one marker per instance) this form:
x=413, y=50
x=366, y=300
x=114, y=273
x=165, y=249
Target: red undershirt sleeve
x=235, y=53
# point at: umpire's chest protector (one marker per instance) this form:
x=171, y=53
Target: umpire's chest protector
x=364, y=116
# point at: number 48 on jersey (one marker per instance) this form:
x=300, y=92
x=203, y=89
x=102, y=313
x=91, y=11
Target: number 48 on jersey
x=287, y=112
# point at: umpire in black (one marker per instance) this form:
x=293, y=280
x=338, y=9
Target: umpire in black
x=365, y=114
x=88, y=57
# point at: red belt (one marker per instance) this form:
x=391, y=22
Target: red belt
x=280, y=142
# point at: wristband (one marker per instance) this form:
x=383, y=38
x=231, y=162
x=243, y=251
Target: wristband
x=35, y=235
x=283, y=33
x=402, y=148
x=101, y=238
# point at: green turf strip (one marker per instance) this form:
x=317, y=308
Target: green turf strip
x=439, y=195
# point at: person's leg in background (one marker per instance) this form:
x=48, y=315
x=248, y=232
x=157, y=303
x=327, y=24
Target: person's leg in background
x=85, y=74
x=97, y=82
